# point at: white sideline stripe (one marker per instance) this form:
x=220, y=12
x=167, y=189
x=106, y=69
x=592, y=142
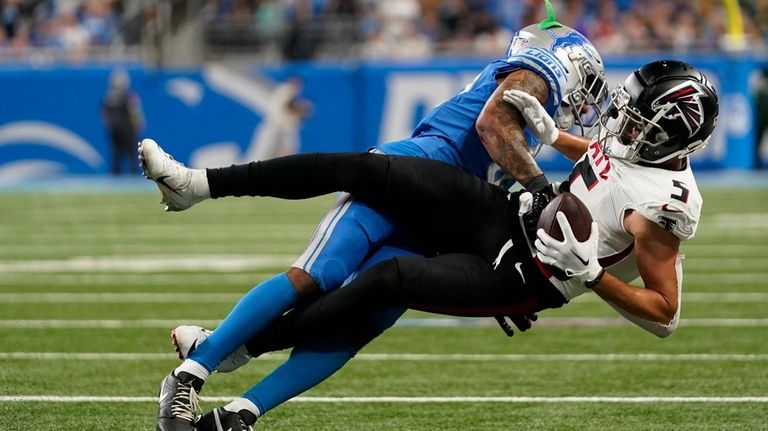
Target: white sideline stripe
x=146, y=263
x=409, y=323
x=418, y=357
x=614, y=399
x=186, y=298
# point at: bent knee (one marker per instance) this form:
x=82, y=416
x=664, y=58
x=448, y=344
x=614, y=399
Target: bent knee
x=386, y=273
x=303, y=283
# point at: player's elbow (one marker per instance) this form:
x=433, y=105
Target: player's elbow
x=671, y=314
x=669, y=309
x=668, y=323
x=664, y=331
x=487, y=129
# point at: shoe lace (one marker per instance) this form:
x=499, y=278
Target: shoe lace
x=175, y=162
x=185, y=402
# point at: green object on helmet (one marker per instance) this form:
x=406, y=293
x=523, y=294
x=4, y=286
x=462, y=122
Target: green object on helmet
x=551, y=20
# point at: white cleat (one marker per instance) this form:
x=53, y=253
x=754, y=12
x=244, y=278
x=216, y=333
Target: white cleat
x=186, y=338
x=181, y=186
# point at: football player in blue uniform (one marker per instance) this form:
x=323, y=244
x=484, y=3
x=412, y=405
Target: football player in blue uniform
x=476, y=130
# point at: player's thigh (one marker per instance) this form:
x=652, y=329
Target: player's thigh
x=345, y=236
x=382, y=319
x=461, y=284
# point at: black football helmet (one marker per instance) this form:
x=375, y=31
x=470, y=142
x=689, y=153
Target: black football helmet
x=665, y=109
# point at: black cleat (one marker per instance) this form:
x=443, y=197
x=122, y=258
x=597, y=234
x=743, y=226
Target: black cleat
x=178, y=402
x=220, y=419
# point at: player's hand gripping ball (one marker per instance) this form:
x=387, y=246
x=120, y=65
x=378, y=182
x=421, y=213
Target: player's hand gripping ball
x=578, y=216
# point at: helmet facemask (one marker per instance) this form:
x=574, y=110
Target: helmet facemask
x=583, y=106
x=626, y=134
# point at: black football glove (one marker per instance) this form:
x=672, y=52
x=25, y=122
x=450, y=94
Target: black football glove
x=543, y=192
x=523, y=322
x=531, y=218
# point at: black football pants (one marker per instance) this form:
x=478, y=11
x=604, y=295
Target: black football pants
x=464, y=220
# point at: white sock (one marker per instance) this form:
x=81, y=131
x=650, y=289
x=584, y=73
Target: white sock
x=192, y=367
x=239, y=404
x=199, y=185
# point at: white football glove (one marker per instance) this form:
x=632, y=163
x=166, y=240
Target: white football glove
x=576, y=259
x=539, y=122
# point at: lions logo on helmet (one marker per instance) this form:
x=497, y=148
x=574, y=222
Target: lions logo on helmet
x=572, y=39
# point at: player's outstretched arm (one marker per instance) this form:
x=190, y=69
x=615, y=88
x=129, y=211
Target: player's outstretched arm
x=656, y=253
x=501, y=129
x=654, y=308
x=572, y=146
x=543, y=126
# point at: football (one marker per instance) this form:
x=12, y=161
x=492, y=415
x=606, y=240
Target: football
x=575, y=211
x=578, y=217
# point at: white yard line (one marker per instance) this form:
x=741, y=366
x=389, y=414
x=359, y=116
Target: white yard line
x=725, y=278
x=123, y=298
x=578, y=322
x=446, y=322
x=419, y=357
x=696, y=297
x=147, y=298
x=103, y=324
x=143, y=263
x=152, y=230
x=706, y=264
x=111, y=279
x=756, y=220
x=385, y=399
x=715, y=250
x=719, y=280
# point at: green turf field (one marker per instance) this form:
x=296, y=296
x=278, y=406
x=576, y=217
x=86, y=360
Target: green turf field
x=110, y=275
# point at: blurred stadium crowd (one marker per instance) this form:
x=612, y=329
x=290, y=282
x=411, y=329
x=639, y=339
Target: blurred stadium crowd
x=416, y=28
x=303, y=29
x=70, y=26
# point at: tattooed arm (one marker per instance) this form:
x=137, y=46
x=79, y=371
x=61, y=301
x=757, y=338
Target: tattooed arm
x=500, y=126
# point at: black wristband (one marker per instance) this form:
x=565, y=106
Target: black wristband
x=592, y=283
x=537, y=183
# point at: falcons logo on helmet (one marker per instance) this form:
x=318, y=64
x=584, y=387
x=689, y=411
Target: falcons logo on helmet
x=684, y=102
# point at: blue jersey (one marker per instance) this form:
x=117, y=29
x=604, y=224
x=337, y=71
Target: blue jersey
x=352, y=231
x=454, y=120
